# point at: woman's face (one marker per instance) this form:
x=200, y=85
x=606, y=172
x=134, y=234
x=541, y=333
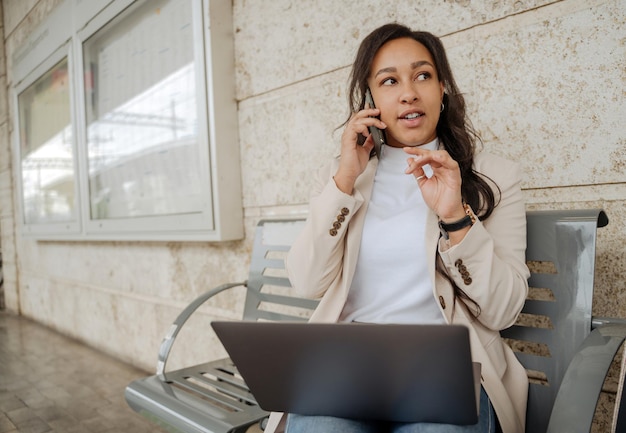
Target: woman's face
x=406, y=89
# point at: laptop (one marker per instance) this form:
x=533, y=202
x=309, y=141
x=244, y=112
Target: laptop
x=397, y=373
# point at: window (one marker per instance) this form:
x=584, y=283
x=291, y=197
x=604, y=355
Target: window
x=46, y=149
x=140, y=157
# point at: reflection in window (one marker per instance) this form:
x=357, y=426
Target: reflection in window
x=47, y=161
x=142, y=116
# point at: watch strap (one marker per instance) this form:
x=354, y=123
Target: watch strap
x=466, y=221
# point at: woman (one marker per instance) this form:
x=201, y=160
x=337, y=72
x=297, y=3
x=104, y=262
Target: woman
x=427, y=232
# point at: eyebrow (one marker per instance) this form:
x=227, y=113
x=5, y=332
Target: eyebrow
x=414, y=65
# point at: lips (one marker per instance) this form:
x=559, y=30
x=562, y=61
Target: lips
x=412, y=114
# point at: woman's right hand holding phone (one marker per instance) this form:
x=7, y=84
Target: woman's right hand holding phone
x=354, y=157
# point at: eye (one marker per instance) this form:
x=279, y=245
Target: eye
x=423, y=76
x=388, y=81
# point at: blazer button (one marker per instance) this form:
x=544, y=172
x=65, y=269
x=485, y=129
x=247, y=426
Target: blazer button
x=345, y=211
x=467, y=281
x=458, y=263
x=341, y=218
x=333, y=232
x=442, y=302
x=336, y=225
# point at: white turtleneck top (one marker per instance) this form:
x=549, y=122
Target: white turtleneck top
x=391, y=282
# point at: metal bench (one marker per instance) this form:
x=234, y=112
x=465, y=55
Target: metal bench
x=212, y=397
x=556, y=330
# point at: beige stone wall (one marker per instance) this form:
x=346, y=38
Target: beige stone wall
x=545, y=83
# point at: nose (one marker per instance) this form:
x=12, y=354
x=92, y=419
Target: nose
x=409, y=94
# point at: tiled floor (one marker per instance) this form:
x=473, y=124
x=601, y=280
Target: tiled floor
x=50, y=383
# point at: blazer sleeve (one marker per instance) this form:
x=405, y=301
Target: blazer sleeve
x=489, y=265
x=315, y=259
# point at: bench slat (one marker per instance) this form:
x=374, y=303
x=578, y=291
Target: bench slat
x=542, y=308
x=529, y=334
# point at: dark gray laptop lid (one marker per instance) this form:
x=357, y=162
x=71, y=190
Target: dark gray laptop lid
x=400, y=373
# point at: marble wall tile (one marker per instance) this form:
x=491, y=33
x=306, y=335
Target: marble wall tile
x=450, y=16
x=540, y=95
x=4, y=94
x=173, y=271
x=6, y=194
x=11, y=295
x=5, y=151
x=7, y=237
x=9, y=270
x=281, y=42
x=287, y=136
x=13, y=12
x=25, y=17
x=126, y=327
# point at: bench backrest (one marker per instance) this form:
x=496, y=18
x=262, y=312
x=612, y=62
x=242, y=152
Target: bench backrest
x=555, y=320
x=556, y=317
x=269, y=294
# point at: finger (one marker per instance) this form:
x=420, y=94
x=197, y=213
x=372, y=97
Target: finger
x=366, y=112
x=355, y=127
x=414, y=169
x=442, y=159
x=359, y=124
x=418, y=169
x=368, y=144
x=369, y=111
x=421, y=176
x=362, y=125
x=437, y=158
x=416, y=151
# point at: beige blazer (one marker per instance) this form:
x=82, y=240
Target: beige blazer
x=322, y=261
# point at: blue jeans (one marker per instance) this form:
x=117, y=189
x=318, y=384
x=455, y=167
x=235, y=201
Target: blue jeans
x=326, y=424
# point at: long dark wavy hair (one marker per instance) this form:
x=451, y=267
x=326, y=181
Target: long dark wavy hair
x=454, y=129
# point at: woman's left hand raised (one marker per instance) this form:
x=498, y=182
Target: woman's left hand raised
x=442, y=190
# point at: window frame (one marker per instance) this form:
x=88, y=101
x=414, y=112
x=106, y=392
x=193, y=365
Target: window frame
x=221, y=216
x=41, y=229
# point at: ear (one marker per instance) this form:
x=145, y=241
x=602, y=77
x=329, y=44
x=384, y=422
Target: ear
x=442, y=89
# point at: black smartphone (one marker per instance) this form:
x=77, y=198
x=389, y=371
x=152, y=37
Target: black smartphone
x=377, y=134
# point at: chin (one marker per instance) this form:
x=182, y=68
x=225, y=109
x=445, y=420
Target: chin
x=410, y=141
